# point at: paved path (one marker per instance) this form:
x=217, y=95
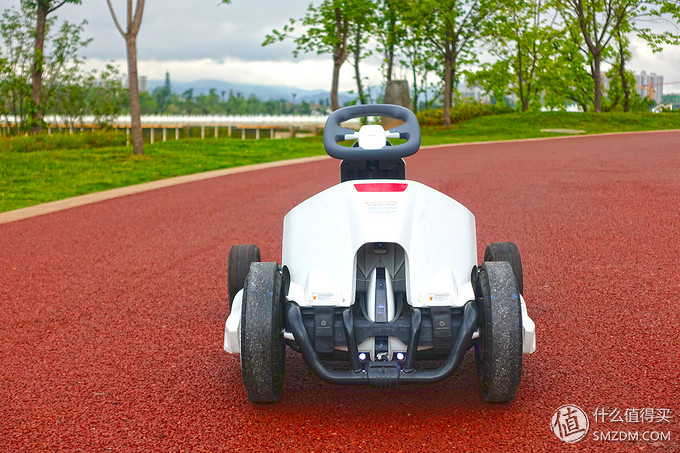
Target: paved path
x=113, y=312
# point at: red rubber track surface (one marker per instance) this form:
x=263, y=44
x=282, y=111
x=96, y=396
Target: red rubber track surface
x=112, y=314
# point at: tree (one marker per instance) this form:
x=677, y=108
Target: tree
x=495, y=79
x=622, y=81
x=598, y=22
x=42, y=9
x=210, y=103
x=565, y=78
x=163, y=94
x=70, y=100
x=362, y=27
x=106, y=96
x=390, y=31
x=16, y=31
x=416, y=54
x=520, y=36
x=56, y=68
x=601, y=23
x=329, y=27
x=98, y=94
x=147, y=103
x=618, y=70
x=63, y=64
x=451, y=28
x=132, y=25
x=635, y=19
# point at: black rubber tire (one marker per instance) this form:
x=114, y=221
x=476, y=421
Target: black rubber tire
x=263, y=349
x=240, y=257
x=498, y=350
x=507, y=251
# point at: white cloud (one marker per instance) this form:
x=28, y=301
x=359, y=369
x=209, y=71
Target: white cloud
x=210, y=40
x=663, y=63
x=311, y=74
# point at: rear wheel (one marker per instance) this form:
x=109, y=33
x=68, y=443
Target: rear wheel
x=262, y=345
x=498, y=350
x=507, y=251
x=240, y=258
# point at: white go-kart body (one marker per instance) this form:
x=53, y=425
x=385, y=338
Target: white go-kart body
x=406, y=214
x=379, y=272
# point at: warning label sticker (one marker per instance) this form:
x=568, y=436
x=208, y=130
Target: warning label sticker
x=439, y=297
x=322, y=297
x=382, y=207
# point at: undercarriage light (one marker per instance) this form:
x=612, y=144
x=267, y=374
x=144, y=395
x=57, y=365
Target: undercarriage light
x=362, y=356
x=401, y=356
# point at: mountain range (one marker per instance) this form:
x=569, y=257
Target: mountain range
x=263, y=92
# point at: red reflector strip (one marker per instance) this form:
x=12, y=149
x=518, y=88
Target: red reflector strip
x=381, y=187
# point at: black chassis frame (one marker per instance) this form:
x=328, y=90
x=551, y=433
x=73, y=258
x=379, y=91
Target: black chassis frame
x=452, y=340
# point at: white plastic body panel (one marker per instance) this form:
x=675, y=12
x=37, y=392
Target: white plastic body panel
x=321, y=237
x=528, y=330
x=232, y=328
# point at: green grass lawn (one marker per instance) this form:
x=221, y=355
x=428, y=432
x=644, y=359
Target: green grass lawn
x=516, y=126
x=29, y=178
x=32, y=177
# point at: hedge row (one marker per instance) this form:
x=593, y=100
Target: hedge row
x=79, y=140
x=460, y=113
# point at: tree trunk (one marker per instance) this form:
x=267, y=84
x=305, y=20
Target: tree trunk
x=448, y=92
x=415, y=87
x=334, y=86
x=360, y=88
x=597, y=80
x=135, y=113
x=626, y=90
x=36, y=116
x=523, y=98
x=133, y=23
x=390, y=38
x=357, y=57
x=339, y=54
x=622, y=74
x=390, y=63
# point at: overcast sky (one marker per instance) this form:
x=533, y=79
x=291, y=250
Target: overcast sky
x=203, y=39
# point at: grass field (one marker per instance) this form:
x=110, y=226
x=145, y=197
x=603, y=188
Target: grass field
x=29, y=177
x=529, y=125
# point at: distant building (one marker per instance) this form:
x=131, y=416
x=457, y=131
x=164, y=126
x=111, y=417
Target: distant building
x=671, y=99
x=143, y=84
x=473, y=92
x=646, y=82
x=142, y=81
x=477, y=94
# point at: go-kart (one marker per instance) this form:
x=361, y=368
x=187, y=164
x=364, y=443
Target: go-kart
x=380, y=274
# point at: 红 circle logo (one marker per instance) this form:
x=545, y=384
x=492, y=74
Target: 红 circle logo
x=570, y=423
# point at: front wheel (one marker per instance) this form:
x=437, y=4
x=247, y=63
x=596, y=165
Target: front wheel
x=498, y=350
x=263, y=350
x=507, y=251
x=240, y=258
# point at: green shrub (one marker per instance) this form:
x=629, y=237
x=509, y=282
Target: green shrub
x=460, y=113
x=433, y=117
x=79, y=140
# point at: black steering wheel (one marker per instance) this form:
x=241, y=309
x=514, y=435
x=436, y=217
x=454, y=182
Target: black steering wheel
x=334, y=133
